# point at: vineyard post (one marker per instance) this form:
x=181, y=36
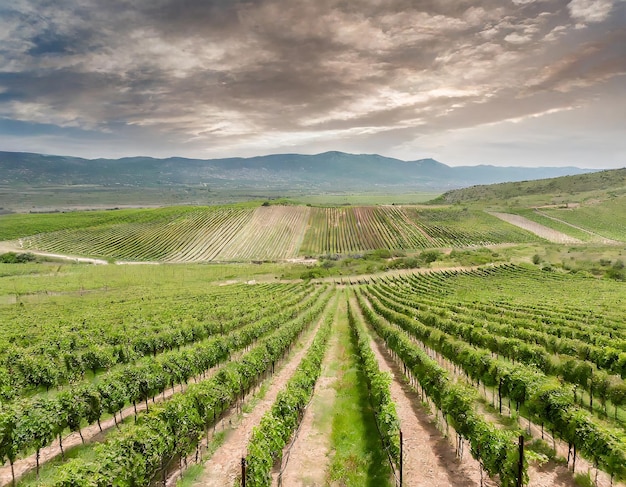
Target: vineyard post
x=520, y=470
x=401, y=457
x=243, y=472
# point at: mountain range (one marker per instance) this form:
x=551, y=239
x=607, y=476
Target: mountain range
x=329, y=171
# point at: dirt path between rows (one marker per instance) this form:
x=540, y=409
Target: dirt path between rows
x=546, y=475
x=429, y=458
x=305, y=461
x=90, y=433
x=13, y=247
x=549, y=474
x=224, y=466
x=536, y=228
x=602, y=239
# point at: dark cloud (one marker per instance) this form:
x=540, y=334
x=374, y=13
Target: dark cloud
x=224, y=77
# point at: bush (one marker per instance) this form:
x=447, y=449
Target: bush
x=542, y=448
x=380, y=254
x=536, y=259
x=13, y=258
x=429, y=256
x=312, y=274
x=616, y=274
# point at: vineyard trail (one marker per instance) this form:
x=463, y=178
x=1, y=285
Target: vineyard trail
x=306, y=462
x=536, y=228
x=429, y=458
x=224, y=467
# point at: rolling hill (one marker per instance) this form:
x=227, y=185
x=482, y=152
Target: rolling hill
x=558, y=190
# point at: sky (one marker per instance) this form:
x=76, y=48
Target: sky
x=503, y=82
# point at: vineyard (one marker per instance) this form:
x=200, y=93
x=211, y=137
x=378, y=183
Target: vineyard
x=467, y=377
x=244, y=233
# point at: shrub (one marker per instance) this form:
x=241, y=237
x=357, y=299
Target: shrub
x=13, y=258
x=429, y=256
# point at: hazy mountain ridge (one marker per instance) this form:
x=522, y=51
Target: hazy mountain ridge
x=326, y=171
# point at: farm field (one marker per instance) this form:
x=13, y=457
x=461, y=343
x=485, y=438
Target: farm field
x=597, y=223
x=539, y=216
x=197, y=366
x=246, y=233
x=369, y=198
x=601, y=218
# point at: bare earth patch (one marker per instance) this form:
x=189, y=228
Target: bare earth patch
x=14, y=247
x=536, y=228
x=224, y=467
x=305, y=462
x=429, y=458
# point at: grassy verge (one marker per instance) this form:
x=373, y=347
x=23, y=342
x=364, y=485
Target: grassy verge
x=357, y=457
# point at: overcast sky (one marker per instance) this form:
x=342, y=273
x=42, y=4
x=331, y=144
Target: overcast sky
x=505, y=82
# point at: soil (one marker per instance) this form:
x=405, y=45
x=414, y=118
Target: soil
x=224, y=467
x=536, y=228
x=429, y=458
x=305, y=461
x=12, y=247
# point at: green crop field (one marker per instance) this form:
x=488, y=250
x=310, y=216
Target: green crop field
x=603, y=218
x=245, y=233
x=157, y=356
x=422, y=342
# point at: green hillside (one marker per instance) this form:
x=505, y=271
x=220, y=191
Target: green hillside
x=561, y=190
x=587, y=207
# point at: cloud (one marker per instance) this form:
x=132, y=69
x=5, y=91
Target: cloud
x=223, y=75
x=590, y=10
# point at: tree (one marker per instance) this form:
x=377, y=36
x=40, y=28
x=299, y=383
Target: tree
x=9, y=446
x=93, y=404
x=75, y=407
x=37, y=426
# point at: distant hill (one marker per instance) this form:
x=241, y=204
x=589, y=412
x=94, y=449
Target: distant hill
x=564, y=189
x=330, y=171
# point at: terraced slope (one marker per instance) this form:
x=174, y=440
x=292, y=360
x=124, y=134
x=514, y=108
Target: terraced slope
x=358, y=229
x=272, y=233
x=236, y=233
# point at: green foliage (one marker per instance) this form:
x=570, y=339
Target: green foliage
x=278, y=424
x=495, y=448
x=584, y=480
x=379, y=254
x=542, y=449
x=617, y=271
x=474, y=257
x=13, y=258
x=545, y=398
x=135, y=454
x=380, y=395
x=543, y=191
x=430, y=256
